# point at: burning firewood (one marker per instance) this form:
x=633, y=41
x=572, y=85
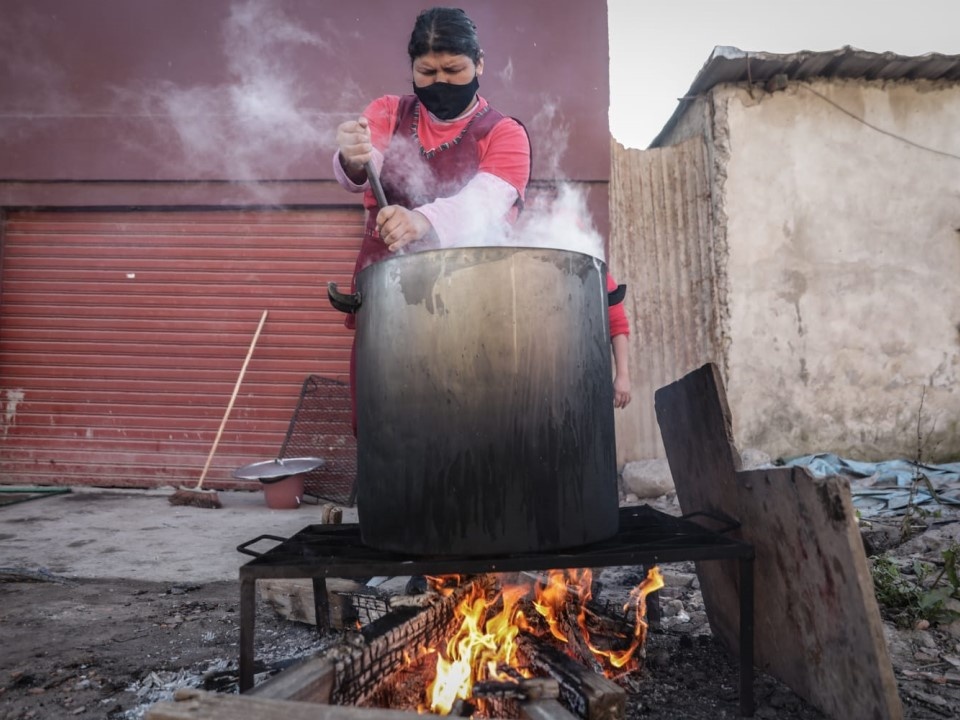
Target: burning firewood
x=523, y=689
x=588, y=694
x=473, y=650
x=563, y=603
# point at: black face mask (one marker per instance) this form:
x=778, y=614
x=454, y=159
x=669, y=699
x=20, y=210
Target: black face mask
x=446, y=100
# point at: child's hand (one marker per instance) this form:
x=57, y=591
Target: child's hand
x=621, y=392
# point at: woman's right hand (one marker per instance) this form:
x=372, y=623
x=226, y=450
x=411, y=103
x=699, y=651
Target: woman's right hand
x=356, y=149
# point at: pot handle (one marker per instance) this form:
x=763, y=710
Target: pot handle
x=617, y=296
x=344, y=302
x=245, y=547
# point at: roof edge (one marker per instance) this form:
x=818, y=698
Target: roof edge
x=728, y=64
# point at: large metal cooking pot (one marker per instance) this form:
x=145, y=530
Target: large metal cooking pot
x=485, y=401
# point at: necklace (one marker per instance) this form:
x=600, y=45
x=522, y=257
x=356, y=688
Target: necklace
x=429, y=154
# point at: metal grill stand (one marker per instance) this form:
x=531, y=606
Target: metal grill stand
x=646, y=537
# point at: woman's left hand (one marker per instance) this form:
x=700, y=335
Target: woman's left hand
x=399, y=226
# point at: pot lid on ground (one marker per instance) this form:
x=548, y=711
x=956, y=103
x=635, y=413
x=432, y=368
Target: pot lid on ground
x=275, y=470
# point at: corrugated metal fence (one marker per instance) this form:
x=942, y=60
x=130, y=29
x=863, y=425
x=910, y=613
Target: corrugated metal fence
x=662, y=246
x=122, y=335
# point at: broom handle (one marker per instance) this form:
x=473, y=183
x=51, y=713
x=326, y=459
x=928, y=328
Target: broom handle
x=236, y=389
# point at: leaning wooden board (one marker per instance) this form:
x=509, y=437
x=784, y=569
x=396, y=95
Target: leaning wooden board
x=817, y=624
x=697, y=434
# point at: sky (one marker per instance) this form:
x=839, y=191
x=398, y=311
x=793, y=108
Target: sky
x=657, y=47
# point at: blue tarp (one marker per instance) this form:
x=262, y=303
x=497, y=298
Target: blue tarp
x=885, y=488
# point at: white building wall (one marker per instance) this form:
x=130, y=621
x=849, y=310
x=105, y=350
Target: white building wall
x=843, y=310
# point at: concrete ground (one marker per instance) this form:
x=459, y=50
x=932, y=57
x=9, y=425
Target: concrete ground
x=108, y=533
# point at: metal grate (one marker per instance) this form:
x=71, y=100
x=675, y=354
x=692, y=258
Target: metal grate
x=369, y=604
x=322, y=426
x=646, y=537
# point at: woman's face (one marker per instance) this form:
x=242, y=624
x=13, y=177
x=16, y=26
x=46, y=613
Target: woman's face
x=444, y=67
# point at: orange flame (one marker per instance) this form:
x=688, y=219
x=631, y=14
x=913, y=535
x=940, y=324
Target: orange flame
x=638, y=596
x=443, y=584
x=550, y=600
x=481, y=646
x=553, y=599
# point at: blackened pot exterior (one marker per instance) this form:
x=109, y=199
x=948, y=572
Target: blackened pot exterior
x=485, y=402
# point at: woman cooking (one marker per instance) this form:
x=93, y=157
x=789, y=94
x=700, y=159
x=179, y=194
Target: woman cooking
x=453, y=169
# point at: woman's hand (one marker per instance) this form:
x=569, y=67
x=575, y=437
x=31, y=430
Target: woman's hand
x=356, y=149
x=398, y=226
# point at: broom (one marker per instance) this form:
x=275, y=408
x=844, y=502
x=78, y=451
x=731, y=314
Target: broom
x=197, y=496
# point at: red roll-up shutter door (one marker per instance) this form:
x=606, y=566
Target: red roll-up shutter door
x=122, y=335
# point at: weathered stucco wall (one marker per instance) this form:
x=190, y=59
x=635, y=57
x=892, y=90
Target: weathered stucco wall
x=843, y=310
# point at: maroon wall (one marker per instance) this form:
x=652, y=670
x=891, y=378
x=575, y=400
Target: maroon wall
x=154, y=118
x=152, y=91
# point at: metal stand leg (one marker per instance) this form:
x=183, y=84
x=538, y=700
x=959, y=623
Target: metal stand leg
x=248, y=611
x=321, y=604
x=746, y=637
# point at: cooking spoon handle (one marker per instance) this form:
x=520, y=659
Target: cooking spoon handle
x=375, y=185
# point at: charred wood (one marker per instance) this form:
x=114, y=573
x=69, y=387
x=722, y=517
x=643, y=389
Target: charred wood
x=545, y=710
x=588, y=694
x=388, y=644
x=524, y=689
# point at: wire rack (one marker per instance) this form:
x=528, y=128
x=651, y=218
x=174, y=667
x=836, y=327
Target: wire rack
x=321, y=426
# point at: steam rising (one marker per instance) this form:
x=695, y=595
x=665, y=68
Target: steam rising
x=258, y=124
x=262, y=121
x=269, y=118
x=561, y=222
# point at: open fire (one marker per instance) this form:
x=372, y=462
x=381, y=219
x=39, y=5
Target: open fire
x=383, y=665
x=486, y=645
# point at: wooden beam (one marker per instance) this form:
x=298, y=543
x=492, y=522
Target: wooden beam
x=545, y=710
x=199, y=705
x=310, y=680
x=293, y=599
x=191, y=704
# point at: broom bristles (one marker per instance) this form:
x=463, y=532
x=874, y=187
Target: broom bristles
x=195, y=498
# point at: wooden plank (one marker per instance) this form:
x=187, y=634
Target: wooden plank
x=199, y=705
x=818, y=626
x=191, y=704
x=817, y=623
x=697, y=431
x=310, y=680
x=293, y=600
x=545, y=710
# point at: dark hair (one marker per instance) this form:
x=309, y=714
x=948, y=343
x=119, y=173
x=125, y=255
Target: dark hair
x=443, y=29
